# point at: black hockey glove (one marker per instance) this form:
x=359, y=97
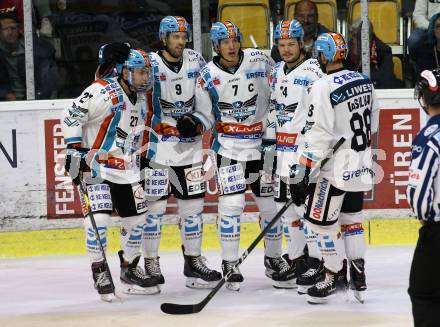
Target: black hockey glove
x=115, y=53
x=189, y=125
x=299, y=184
x=76, y=161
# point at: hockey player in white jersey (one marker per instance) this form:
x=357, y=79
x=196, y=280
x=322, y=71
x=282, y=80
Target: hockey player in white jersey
x=104, y=128
x=289, y=80
x=175, y=73
x=343, y=104
x=173, y=163
x=232, y=98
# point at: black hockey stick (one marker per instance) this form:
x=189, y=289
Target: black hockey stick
x=98, y=238
x=182, y=309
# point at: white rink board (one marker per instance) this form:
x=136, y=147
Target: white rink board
x=23, y=160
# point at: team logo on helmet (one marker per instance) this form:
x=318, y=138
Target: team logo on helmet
x=288, y=29
x=332, y=45
x=224, y=30
x=171, y=24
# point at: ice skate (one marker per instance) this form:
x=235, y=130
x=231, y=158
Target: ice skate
x=134, y=280
x=312, y=275
x=357, y=279
x=102, y=282
x=197, y=274
x=233, y=282
x=286, y=277
x=152, y=268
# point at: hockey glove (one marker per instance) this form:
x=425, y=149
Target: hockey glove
x=189, y=125
x=299, y=184
x=114, y=53
x=76, y=161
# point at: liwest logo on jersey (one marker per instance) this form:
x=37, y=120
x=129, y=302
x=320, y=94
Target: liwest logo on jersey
x=321, y=195
x=254, y=131
x=350, y=90
x=286, y=142
x=255, y=74
x=238, y=109
x=176, y=109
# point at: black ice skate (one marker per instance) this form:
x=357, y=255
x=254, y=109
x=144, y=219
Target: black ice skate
x=102, y=282
x=197, y=274
x=311, y=276
x=357, y=279
x=152, y=268
x=286, y=277
x=234, y=280
x=327, y=287
x=134, y=279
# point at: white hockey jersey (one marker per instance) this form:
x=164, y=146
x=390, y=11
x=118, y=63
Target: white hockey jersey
x=235, y=105
x=173, y=96
x=289, y=104
x=104, y=120
x=343, y=104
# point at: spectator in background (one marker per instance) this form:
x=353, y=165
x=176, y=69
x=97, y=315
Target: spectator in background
x=423, y=11
x=14, y=7
x=427, y=55
x=12, y=61
x=381, y=58
x=306, y=12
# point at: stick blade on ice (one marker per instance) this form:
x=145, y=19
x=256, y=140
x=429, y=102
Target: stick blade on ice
x=179, y=309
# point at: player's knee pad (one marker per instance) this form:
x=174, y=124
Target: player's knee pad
x=324, y=229
x=191, y=225
x=131, y=236
x=187, y=208
x=231, y=205
x=266, y=206
x=93, y=248
x=156, y=211
x=348, y=218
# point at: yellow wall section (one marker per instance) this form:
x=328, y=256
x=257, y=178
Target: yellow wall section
x=71, y=241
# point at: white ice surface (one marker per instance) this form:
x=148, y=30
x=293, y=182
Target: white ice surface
x=58, y=291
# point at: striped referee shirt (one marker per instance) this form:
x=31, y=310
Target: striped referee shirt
x=424, y=181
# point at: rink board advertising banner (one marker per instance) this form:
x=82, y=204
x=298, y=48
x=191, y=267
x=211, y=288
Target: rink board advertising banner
x=35, y=183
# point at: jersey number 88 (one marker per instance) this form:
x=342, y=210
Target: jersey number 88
x=361, y=127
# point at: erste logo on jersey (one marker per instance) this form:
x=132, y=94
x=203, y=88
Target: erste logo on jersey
x=301, y=81
x=341, y=79
x=192, y=74
x=256, y=74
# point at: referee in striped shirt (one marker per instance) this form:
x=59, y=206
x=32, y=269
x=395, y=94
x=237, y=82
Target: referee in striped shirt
x=423, y=194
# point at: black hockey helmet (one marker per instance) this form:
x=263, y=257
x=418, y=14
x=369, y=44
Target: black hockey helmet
x=428, y=85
